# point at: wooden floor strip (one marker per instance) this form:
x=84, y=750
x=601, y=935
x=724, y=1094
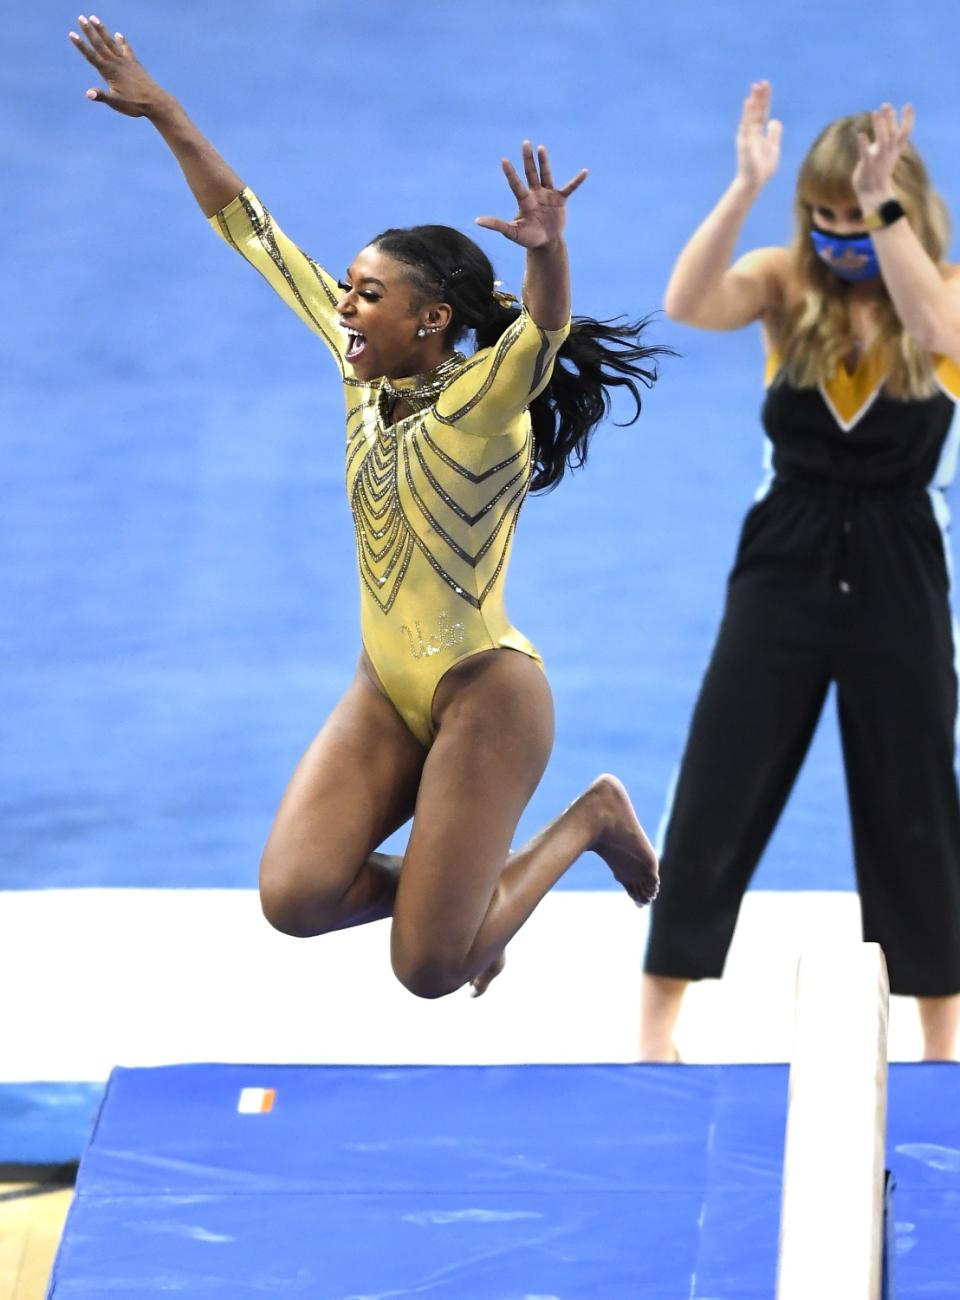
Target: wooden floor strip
x=31, y=1223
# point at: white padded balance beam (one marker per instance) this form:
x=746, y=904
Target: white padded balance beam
x=831, y=1221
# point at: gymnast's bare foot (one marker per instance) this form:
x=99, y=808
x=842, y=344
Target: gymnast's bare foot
x=480, y=983
x=622, y=842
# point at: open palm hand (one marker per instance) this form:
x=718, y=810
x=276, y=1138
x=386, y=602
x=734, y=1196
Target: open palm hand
x=541, y=207
x=872, y=178
x=130, y=89
x=758, y=137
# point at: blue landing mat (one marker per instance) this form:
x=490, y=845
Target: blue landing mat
x=474, y=1183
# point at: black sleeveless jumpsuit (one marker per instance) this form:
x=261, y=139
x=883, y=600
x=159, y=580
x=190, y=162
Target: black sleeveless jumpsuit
x=842, y=575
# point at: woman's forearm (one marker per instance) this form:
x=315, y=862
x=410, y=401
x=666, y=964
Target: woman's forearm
x=927, y=306
x=928, y=309
x=546, y=285
x=213, y=181
x=695, y=292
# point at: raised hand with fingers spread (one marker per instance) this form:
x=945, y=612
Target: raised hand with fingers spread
x=538, y=227
x=130, y=89
x=542, y=208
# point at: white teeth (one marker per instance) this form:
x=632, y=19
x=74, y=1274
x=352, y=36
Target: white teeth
x=356, y=342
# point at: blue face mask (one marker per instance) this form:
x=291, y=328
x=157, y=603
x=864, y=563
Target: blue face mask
x=852, y=257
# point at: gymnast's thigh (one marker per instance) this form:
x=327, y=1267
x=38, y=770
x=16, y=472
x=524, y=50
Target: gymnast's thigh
x=354, y=786
x=495, y=728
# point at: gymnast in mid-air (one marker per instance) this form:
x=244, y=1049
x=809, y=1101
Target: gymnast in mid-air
x=449, y=718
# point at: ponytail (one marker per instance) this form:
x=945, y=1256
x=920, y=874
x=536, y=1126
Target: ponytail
x=597, y=356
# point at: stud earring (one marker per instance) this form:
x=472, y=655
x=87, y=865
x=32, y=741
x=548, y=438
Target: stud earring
x=421, y=333
x=430, y=329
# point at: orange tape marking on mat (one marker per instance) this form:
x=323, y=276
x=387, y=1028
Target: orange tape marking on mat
x=256, y=1101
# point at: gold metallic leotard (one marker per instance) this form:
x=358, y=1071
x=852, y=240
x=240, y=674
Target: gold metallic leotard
x=435, y=497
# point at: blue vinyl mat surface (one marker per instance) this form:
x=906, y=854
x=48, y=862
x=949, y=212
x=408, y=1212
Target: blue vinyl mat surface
x=474, y=1183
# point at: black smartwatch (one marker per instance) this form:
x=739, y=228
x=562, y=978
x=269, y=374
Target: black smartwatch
x=887, y=213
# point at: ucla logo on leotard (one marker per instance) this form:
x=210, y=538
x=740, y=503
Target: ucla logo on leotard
x=446, y=635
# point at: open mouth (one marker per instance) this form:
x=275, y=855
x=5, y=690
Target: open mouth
x=356, y=345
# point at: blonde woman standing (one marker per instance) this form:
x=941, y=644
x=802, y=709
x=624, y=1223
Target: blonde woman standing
x=842, y=570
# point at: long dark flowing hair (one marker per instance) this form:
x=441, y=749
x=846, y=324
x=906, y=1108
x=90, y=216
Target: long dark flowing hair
x=598, y=355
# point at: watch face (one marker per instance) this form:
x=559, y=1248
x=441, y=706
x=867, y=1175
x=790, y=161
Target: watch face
x=890, y=211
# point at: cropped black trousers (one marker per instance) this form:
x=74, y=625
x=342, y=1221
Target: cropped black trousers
x=832, y=583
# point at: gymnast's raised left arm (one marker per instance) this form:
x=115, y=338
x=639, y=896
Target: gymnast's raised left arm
x=538, y=227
